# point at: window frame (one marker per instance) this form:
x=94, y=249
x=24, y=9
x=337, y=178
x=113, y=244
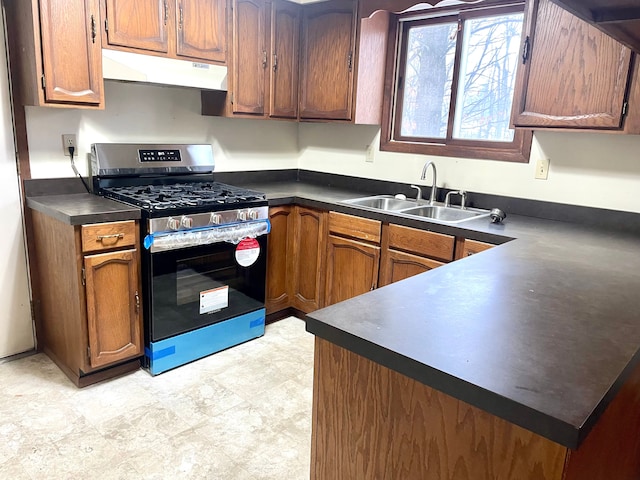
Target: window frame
x=390, y=139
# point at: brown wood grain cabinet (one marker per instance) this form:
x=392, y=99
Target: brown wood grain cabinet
x=89, y=306
x=466, y=247
x=189, y=29
x=56, y=52
x=574, y=76
x=295, y=273
x=327, y=60
x=353, y=257
x=408, y=251
x=280, y=258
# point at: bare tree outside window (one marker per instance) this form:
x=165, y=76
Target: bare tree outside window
x=455, y=82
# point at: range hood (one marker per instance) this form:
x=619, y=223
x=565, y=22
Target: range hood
x=134, y=67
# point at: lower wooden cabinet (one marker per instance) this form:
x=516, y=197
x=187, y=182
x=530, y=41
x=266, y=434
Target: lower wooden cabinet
x=408, y=251
x=466, y=247
x=296, y=252
x=88, y=316
x=353, y=257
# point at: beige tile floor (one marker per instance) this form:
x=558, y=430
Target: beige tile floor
x=241, y=414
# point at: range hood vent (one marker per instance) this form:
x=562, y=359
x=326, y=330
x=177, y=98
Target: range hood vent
x=133, y=67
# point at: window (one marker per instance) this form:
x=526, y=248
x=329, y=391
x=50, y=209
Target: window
x=455, y=79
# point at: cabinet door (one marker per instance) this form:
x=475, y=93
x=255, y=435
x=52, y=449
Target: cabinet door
x=140, y=24
x=466, y=247
x=279, y=259
x=71, y=51
x=113, y=307
x=326, y=60
x=309, y=247
x=201, y=30
x=396, y=266
x=575, y=75
x=285, y=40
x=249, y=56
x=351, y=269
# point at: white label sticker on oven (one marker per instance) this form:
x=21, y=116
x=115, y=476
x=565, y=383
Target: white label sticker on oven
x=247, y=252
x=214, y=299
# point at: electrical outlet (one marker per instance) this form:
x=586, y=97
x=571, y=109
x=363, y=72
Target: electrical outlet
x=542, y=168
x=69, y=140
x=369, y=155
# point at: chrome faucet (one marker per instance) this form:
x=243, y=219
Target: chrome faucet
x=432, y=197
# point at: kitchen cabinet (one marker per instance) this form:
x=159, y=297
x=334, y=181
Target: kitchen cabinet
x=280, y=258
x=90, y=306
x=296, y=252
x=353, y=257
x=327, y=60
x=408, y=251
x=618, y=18
x=56, y=52
x=192, y=29
x=310, y=234
x=574, y=76
x=466, y=247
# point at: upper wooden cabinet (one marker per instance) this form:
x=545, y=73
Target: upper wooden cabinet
x=618, y=18
x=285, y=45
x=574, y=75
x=194, y=29
x=56, y=52
x=327, y=60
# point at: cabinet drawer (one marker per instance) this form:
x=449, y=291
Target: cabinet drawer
x=355, y=227
x=104, y=236
x=420, y=242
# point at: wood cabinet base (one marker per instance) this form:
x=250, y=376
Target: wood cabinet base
x=370, y=422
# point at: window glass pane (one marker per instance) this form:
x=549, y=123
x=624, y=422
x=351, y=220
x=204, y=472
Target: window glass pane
x=487, y=78
x=427, y=80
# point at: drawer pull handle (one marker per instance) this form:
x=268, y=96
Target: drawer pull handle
x=114, y=236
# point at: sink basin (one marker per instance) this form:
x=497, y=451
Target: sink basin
x=446, y=214
x=383, y=202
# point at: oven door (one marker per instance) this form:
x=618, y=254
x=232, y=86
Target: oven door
x=190, y=288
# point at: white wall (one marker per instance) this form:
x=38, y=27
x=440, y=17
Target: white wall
x=143, y=113
x=16, y=331
x=591, y=169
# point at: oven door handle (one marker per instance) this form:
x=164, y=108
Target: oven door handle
x=231, y=233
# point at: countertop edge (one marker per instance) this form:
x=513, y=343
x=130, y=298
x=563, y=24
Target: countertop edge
x=509, y=410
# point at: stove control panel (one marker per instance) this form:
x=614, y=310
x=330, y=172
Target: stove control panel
x=207, y=219
x=159, y=155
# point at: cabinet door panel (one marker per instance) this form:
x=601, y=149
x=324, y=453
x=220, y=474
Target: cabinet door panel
x=113, y=316
x=576, y=76
x=396, y=266
x=140, y=24
x=326, y=71
x=279, y=258
x=310, y=246
x=352, y=269
x=285, y=35
x=71, y=51
x=201, y=31
x=250, y=56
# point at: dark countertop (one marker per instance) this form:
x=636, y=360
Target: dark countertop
x=541, y=331
x=82, y=208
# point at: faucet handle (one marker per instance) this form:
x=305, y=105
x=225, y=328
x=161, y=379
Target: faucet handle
x=463, y=198
x=419, y=193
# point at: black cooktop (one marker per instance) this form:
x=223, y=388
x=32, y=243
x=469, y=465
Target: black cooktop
x=214, y=195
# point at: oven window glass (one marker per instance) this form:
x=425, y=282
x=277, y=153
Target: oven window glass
x=178, y=277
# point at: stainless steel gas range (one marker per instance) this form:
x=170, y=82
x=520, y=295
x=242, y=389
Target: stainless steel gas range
x=204, y=255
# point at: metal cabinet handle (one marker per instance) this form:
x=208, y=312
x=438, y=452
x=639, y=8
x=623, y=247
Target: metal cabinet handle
x=166, y=12
x=93, y=29
x=350, y=61
x=275, y=62
x=181, y=18
x=526, y=50
x=137, y=296
x=264, y=59
x=116, y=236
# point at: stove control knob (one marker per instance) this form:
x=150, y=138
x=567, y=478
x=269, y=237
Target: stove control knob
x=242, y=215
x=173, y=224
x=186, y=222
x=215, y=219
x=253, y=215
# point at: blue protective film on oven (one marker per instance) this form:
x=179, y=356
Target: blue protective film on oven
x=187, y=347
